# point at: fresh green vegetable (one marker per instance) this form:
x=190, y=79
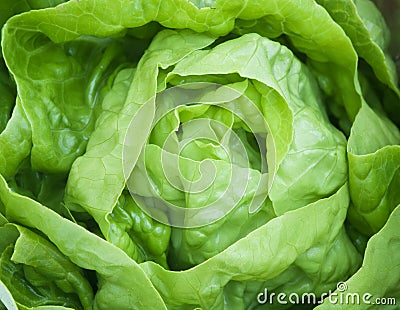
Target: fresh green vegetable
x=378, y=282
x=374, y=162
x=197, y=154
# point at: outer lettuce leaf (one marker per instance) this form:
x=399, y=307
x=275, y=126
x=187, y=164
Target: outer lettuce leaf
x=335, y=68
x=370, y=36
x=327, y=262
x=265, y=254
x=116, y=272
x=58, y=86
x=391, y=11
x=10, y=8
x=32, y=250
x=337, y=64
x=38, y=274
x=380, y=272
x=374, y=170
x=9, y=164
x=29, y=295
x=366, y=27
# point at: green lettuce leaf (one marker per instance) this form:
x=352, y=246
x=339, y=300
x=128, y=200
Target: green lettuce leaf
x=264, y=255
x=7, y=86
x=135, y=232
x=374, y=170
x=10, y=8
x=379, y=274
x=38, y=274
x=116, y=272
x=365, y=26
x=58, y=88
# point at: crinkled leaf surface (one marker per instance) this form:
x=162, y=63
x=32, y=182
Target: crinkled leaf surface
x=38, y=274
x=264, y=254
x=79, y=79
x=117, y=273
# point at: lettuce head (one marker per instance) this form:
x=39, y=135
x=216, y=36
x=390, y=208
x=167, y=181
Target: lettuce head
x=191, y=154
